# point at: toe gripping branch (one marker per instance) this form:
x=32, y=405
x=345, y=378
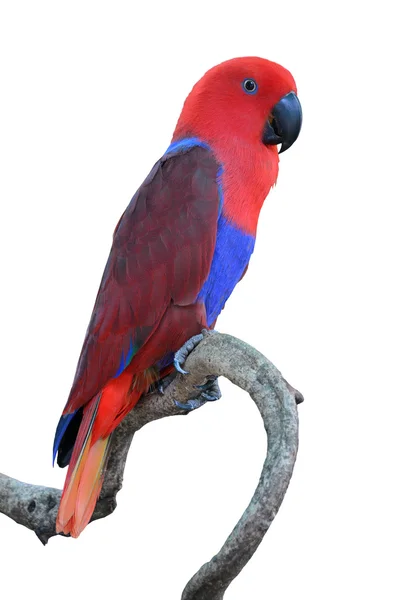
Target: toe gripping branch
x=183, y=353
x=209, y=391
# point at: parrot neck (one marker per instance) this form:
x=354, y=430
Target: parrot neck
x=248, y=171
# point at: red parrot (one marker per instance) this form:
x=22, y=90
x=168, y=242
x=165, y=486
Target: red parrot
x=178, y=251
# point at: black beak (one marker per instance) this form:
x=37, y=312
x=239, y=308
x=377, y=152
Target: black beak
x=283, y=126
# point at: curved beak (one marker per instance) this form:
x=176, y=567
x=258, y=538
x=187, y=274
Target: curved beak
x=284, y=124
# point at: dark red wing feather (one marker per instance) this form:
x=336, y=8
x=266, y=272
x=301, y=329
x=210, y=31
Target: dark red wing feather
x=161, y=253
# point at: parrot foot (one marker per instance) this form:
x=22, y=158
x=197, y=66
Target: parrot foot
x=208, y=385
x=182, y=354
x=209, y=392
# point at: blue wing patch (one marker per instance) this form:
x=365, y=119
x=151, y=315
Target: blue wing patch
x=232, y=253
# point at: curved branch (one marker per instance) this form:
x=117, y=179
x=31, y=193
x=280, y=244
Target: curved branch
x=36, y=506
x=276, y=401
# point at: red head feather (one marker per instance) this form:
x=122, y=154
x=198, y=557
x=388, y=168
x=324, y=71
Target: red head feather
x=220, y=112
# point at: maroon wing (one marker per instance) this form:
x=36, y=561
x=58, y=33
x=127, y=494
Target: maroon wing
x=161, y=254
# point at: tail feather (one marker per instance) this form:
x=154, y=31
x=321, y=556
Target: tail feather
x=61, y=429
x=89, y=457
x=70, y=493
x=91, y=483
x=76, y=469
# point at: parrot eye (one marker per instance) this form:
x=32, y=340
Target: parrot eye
x=249, y=86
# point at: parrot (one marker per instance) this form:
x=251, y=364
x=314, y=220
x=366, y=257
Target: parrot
x=178, y=251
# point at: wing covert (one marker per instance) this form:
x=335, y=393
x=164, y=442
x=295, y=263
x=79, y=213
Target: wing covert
x=162, y=251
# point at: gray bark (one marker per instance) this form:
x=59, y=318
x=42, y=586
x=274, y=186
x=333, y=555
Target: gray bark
x=36, y=506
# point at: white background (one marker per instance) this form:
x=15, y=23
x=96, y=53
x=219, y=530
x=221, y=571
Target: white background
x=90, y=93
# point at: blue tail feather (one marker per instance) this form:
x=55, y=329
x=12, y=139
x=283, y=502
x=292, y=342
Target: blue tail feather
x=61, y=429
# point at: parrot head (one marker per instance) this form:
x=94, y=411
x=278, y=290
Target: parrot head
x=243, y=100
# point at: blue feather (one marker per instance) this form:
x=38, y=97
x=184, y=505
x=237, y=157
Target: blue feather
x=232, y=253
x=124, y=362
x=61, y=429
x=167, y=360
x=185, y=144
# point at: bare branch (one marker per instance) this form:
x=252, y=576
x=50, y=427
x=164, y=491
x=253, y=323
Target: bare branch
x=251, y=371
x=36, y=507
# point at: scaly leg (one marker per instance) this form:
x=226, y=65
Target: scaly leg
x=209, y=391
x=182, y=354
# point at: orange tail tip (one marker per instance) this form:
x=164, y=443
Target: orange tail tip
x=84, y=478
x=80, y=496
x=90, y=485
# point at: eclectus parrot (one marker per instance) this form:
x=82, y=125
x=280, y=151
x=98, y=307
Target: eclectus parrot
x=179, y=249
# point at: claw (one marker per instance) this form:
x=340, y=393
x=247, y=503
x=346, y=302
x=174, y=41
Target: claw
x=179, y=368
x=208, y=385
x=190, y=404
x=211, y=395
x=210, y=390
x=208, y=397
x=184, y=352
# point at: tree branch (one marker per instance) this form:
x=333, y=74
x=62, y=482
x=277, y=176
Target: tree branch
x=36, y=507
